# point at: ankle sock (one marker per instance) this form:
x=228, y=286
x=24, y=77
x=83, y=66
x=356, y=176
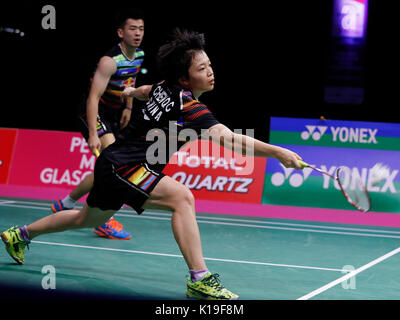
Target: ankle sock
x=197, y=275
x=24, y=233
x=68, y=202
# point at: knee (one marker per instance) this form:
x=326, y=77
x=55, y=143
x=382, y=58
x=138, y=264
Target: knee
x=189, y=197
x=184, y=198
x=79, y=219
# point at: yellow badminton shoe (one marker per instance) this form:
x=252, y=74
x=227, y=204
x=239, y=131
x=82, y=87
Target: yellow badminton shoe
x=15, y=244
x=209, y=288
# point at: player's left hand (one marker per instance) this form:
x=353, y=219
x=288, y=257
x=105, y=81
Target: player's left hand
x=128, y=92
x=125, y=117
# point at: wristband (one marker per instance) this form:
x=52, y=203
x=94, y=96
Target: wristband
x=129, y=108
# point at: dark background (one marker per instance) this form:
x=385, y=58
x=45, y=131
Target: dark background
x=269, y=58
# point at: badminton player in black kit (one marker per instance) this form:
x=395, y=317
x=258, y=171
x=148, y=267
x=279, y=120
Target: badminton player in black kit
x=123, y=174
x=103, y=114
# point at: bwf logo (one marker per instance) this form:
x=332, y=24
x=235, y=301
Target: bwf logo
x=296, y=179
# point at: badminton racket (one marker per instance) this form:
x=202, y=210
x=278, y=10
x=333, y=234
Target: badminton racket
x=351, y=186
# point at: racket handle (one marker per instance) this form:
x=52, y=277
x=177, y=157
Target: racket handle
x=303, y=164
x=96, y=153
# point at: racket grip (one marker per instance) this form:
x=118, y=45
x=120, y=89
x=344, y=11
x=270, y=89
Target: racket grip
x=303, y=164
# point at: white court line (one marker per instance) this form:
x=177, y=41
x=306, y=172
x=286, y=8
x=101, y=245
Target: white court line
x=351, y=274
x=180, y=256
x=276, y=228
x=132, y=214
x=6, y=201
x=13, y=205
x=301, y=225
x=376, y=235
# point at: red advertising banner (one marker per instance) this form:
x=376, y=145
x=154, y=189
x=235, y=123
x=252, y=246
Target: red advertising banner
x=214, y=173
x=50, y=158
x=7, y=138
x=46, y=165
x=60, y=160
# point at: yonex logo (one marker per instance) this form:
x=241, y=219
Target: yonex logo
x=341, y=134
x=316, y=132
x=357, y=135
x=295, y=179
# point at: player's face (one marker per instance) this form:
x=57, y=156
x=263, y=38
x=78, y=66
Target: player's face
x=132, y=32
x=201, y=75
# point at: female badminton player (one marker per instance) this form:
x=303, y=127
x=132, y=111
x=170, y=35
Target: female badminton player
x=124, y=176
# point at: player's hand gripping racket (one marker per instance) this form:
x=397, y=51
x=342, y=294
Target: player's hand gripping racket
x=352, y=187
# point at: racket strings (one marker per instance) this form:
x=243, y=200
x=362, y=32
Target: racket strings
x=354, y=189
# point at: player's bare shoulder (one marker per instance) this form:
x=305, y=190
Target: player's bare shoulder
x=106, y=66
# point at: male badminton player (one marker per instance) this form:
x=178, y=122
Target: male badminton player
x=123, y=175
x=103, y=114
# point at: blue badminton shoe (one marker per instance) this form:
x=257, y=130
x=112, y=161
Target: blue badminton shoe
x=112, y=229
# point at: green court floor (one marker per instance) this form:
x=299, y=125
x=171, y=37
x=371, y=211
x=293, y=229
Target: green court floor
x=259, y=259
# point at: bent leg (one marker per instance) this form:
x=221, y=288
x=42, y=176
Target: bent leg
x=172, y=195
x=106, y=140
x=87, y=217
x=87, y=183
x=83, y=187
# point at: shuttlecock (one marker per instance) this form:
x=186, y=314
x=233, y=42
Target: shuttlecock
x=378, y=173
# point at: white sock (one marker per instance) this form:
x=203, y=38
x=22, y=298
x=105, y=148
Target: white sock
x=68, y=202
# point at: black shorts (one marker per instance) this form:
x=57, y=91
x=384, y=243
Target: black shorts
x=107, y=120
x=129, y=184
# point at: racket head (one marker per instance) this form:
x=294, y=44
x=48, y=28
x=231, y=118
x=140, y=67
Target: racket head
x=353, y=189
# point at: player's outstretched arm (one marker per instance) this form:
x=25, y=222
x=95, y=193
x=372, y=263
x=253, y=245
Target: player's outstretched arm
x=140, y=93
x=251, y=146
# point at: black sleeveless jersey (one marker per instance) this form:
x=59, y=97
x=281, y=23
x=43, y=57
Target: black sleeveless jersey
x=152, y=133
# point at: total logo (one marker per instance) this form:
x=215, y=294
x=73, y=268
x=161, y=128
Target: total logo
x=341, y=134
